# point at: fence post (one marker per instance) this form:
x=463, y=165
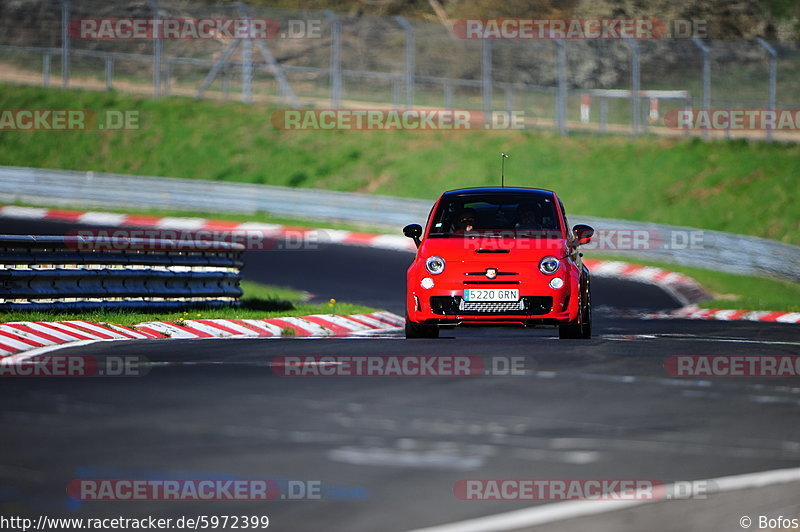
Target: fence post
x=509, y=99
x=486, y=79
x=561, y=94
x=603, y=114
x=336, y=60
x=168, y=77
x=247, y=71
x=635, y=87
x=284, y=88
x=247, y=64
x=410, y=60
x=706, y=75
x=773, y=78
x=687, y=107
x=109, y=72
x=395, y=93
x=46, y=69
x=65, y=43
x=156, y=49
x=447, y=87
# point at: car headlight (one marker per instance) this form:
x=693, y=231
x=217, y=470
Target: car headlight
x=435, y=265
x=549, y=265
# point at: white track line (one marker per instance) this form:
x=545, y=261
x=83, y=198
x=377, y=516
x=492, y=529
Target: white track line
x=549, y=513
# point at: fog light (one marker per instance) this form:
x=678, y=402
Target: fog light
x=556, y=283
x=427, y=282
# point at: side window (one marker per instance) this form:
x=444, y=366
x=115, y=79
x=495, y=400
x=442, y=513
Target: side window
x=564, y=218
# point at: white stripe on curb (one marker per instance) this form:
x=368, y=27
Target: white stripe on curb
x=44, y=329
x=9, y=328
x=187, y=224
x=98, y=329
x=267, y=328
x=313, y=328
x=102, y=218
x=35, y=213
x=241, y=330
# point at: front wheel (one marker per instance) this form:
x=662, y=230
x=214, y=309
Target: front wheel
x=581, y=329
x=421, y=330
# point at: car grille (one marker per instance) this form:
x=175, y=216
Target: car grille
x=491, y=306
x=529, y=305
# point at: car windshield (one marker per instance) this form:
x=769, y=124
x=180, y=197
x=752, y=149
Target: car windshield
x=515, y=215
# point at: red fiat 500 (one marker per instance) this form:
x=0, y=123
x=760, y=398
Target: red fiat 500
x=498, y=256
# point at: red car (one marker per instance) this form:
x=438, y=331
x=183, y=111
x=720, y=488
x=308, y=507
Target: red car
x=498, y=256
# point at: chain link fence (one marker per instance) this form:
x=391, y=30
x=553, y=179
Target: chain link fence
x=326, y=60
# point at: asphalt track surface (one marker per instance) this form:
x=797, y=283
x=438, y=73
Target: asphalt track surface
x=388, y=451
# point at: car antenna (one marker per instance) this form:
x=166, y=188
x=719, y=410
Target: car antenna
x=503, y=158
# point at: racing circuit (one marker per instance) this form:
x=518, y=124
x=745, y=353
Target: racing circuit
x=392, y=449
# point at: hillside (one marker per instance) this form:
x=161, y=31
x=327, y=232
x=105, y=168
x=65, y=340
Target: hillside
x=726, y=185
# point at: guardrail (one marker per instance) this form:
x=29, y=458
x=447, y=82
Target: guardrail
x=717, y=250
x=77, y=273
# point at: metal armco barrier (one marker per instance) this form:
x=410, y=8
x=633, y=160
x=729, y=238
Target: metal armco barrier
x=76, y=273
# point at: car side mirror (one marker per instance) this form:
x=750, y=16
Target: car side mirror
x=583, y=233
x=413, y=231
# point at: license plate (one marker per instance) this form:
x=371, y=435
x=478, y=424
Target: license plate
x=491, y=294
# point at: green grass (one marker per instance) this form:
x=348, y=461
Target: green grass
x=735, y=186
x=732, y=291
x=259, y=302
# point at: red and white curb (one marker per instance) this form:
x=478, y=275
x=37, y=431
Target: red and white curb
x=17, y=337
x=693, y=312
x=111, y=219
x=685, y=289
x=682, y=287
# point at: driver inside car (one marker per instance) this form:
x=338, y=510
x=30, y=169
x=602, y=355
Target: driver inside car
x=465, y=221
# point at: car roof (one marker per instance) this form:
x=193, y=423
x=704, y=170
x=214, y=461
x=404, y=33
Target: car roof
x=495, y=190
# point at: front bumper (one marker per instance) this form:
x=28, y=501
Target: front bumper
x=537, y=305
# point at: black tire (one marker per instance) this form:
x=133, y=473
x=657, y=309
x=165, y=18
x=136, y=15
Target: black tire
x=569, y=331
x=580, y=329
x=421, y=330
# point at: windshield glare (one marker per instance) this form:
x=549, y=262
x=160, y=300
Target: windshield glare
x=499, y=215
